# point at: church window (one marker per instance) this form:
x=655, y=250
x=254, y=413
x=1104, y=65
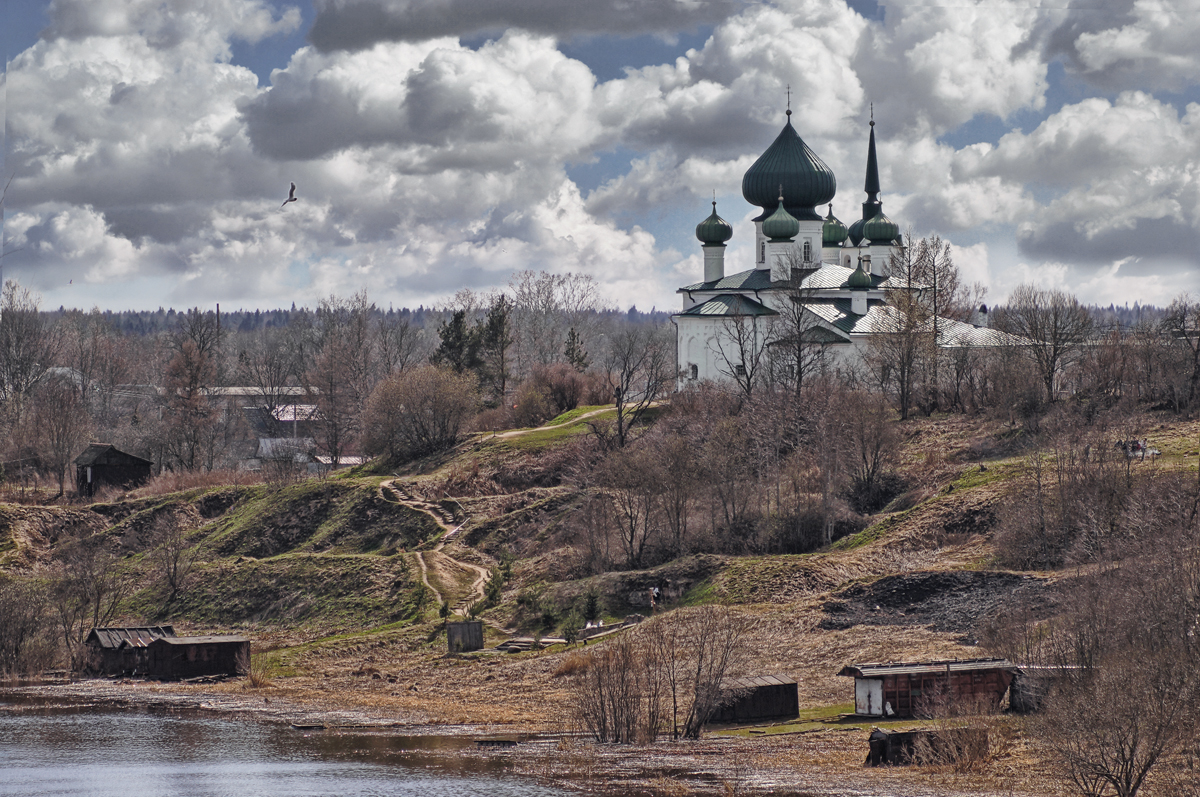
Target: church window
x=693, y=371
x=739, y=369
x=807, y=250
x=762, y=253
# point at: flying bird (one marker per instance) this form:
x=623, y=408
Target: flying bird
x=291, y=196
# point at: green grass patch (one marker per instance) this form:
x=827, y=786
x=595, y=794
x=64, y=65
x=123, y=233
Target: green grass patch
x=876, y=531
x=571, y=415
x=297, y=589
x=344, y=516
x=973, y=477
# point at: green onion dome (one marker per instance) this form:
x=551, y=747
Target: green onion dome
x=834, y=232
x=855, y=233
x=806, y=180
x=880, y=229
x=714, y=231
x=781, y=225
x=859, y=280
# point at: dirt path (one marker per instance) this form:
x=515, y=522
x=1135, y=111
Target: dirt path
x=519, y=432
x=450, y=570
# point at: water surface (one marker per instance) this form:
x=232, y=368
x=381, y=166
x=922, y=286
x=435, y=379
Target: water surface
x=140, y=753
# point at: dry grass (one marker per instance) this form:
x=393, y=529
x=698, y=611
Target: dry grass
x=256, y=668
x=172, y=482
x=573, y=663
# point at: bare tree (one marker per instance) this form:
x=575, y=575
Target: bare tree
x=741, y=344
x=268, y=361
x=1054, y=324
x=63, y=422
x=173, y=554
x=87, y=587
x=799, y=337
x=628, y=477
x=29, y=344
x=900, y=345
x=399, y=343
x=639, y=367
x=1182, y=323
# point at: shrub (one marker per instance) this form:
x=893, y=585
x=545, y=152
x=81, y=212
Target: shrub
x=417, y=412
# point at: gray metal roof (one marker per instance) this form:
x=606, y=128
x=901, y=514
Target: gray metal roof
x=758, y=680
x=756, y=279
x=880, y=318
x=135, y=637
x=827, y=277
x=730, y=304
x=924, y=667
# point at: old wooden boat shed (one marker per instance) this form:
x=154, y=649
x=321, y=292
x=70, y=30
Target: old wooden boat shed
x=103, y=465
x=916, y=688
x=123, y=651
x=176, y=657
x=758, y=698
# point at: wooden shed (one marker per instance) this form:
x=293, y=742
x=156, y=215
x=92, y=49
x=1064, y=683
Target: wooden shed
x=122, y=651
x=176, y=657
x=914, y=689
x=463, y=636
x=762, y=697
x=103, y=465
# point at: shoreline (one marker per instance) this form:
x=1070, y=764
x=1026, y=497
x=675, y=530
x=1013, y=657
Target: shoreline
x=822, y=764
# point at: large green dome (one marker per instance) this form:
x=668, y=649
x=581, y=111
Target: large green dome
x=880, y=229
x=781, y=225
x=714, y=230
x=855, y=232
x=834, y=232
x=806, y=180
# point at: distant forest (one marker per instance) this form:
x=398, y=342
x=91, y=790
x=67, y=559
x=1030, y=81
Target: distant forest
x=156, y=322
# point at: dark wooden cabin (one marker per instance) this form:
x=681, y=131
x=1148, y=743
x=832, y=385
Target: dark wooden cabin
x=177, y=657
x=122, y=651
x=915, y=689
x=763, y=697
x=103, y=465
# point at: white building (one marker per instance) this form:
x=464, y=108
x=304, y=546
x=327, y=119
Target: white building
x=838, y=276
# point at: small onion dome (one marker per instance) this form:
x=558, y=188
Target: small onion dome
x=714, y=231
x=781, y=225
x=807, y=181
x=855, y=233
x=859, y=280
x=881, y=229
x=834, y=232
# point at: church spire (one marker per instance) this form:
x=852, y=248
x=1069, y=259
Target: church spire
x=872, y=206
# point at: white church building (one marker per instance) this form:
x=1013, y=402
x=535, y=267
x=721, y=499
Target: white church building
x=841, y=275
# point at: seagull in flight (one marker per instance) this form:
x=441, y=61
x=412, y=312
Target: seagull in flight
x=291, y=196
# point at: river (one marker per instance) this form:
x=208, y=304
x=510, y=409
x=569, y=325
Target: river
x=92, y=752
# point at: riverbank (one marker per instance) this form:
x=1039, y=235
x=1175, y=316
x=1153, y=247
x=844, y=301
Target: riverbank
x=825, y=762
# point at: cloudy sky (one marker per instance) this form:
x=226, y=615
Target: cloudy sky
x=441, y=144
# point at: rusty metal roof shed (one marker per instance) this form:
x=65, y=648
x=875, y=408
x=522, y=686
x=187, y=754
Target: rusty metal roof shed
x=134, y=637
x=918, y=668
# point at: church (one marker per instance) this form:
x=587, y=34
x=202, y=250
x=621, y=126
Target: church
x=818, y=291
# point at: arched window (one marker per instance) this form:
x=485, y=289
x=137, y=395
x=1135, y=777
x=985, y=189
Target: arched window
x=807, y=250
x=762, y=255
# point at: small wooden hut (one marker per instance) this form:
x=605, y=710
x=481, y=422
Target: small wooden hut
x=122, y=651
x=915, y=689
x=463, y=636
x=103, y=465
x=177, y=657
x=762, y=697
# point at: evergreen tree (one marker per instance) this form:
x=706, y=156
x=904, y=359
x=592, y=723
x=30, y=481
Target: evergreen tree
x=459, y=346
x=575, y=354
